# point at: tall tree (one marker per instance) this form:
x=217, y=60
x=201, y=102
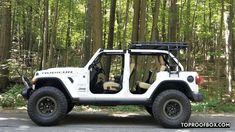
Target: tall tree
x=142, y=21
x=111, y=24
x=218, y=47
x=232, y=39
x=139, y=34
x=45, y=34
x=125, y=22
x=155, y=31
x=163, y=20
x=228, y=23
x=53, y=34
x=135, y=25
x=5, y=42
x=96, y=25
x=173, y=21
x=187, y=30
x=111, y=34
x=87, y=42
x=68, y=37
x=27, y=45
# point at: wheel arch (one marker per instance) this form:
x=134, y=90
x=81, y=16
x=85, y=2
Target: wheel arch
x=54, y=82
x=182, y=86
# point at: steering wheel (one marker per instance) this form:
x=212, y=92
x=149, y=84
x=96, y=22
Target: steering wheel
x=97, y=68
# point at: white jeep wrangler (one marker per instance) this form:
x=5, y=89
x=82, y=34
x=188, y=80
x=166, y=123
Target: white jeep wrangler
x=164, y=88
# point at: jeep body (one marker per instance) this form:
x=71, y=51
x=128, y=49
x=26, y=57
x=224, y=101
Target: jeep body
x=80, y=87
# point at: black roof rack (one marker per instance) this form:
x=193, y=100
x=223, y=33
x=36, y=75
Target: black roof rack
x=159, y=45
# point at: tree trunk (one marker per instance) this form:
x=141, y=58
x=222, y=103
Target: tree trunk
x=218, y=47
x=142, y=21
x=111, y=34
x=29, y=36
x=96, y=22
x=53, y=35
x=231, y=39
x=173, y=21
x=45, y=34
x=87, y=43
x=154, y=34
x=187, y=29
x=5, y=42
x=125, y=24
x=111, y=24
x=142, y=38
x=68, y=38
x=228, y=49
x=188, y=35
x=163, y=21
x=135, y=25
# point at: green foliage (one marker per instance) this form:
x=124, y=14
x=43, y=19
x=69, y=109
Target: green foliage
x=12, y=98
x=126, y=108
x=212, y=104
x=120, y=108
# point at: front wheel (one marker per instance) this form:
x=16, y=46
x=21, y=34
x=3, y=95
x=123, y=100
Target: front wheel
x=171, y=108
x=47, y=105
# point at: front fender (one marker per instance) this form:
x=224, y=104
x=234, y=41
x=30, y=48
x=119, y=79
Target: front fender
x=63, y=83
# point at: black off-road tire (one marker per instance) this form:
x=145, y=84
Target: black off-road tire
x=149, y=110
x=171, y=108
x=38, y=103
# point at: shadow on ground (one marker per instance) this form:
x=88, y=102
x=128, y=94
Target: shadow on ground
x=103, y=118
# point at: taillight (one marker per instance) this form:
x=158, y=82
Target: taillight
x=198, y=80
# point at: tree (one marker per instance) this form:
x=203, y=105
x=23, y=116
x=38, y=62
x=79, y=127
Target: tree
x=139, y=34
x=218, y=47
x=45, y=34
x=135, y=25
x=53, y=34
x=68, y=33
x=5, y=42
x=142, y=21
x=87, y=42
x=111, y=34
x=163, y=20
x=96, y=25
x=155, y=32
x=173, y=21
x=228, y=23
x=126, y=21
x=187, y=30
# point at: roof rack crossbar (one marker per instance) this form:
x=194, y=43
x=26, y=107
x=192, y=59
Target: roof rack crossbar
x=170, y=46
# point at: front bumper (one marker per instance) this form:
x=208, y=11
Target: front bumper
x=27, y=91
x=197, y=97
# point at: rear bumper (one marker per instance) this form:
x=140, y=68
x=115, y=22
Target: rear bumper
x=27, y=88
x=197, y=97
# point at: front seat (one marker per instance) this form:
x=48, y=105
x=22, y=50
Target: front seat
x=113, y=85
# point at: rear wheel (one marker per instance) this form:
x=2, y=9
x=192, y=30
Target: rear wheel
x=171, y=108
x=47, y=105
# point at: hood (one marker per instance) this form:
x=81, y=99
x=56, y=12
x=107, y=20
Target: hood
x=61, y=70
